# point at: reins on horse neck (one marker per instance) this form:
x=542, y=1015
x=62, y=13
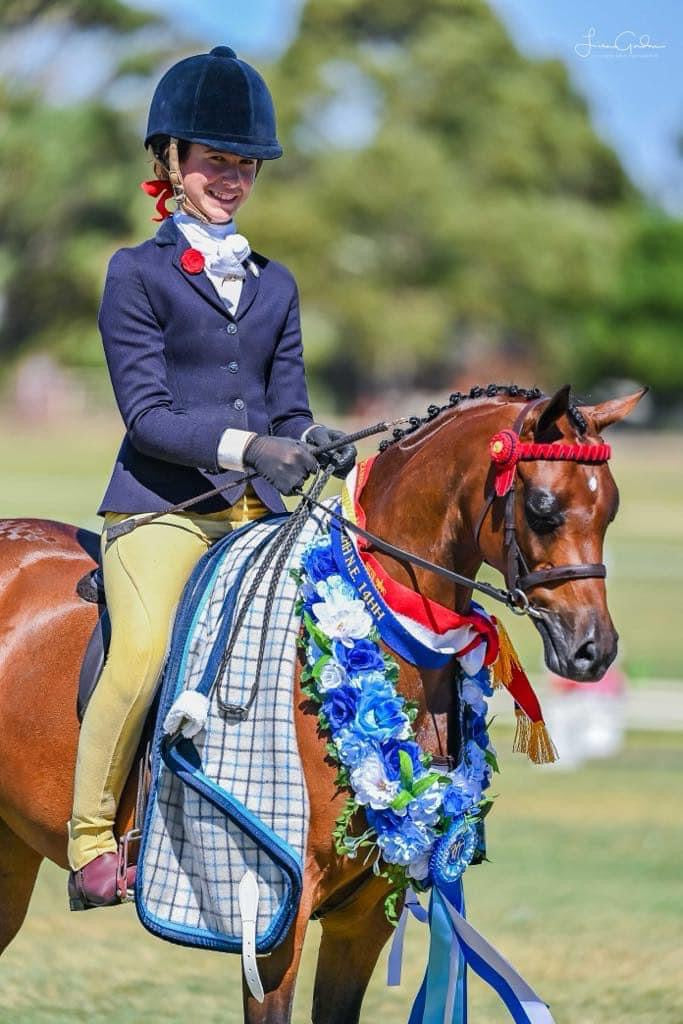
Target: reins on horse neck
x=516, y=602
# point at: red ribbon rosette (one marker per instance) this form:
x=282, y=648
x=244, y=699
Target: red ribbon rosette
x=162, y=190
x=192, y=261
x=504, y=456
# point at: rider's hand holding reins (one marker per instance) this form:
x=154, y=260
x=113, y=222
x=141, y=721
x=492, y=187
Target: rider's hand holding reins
x=343, y=459
x=282, y=461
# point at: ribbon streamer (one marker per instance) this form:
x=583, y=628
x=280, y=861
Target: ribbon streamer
x=454, y=946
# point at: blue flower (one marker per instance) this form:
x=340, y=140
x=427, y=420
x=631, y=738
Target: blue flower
x=426, y=808
x=475, y=761
x=313, y=652
x=390, y=751
x=462, y=794
x=352, y=747
x=405, y=843
x=308, y=593
x=472, y=696
x=363, y=656
x=331, y=676
x=380, y=714
x=477, y=729
x=483, y=680
x=383, y=821
x=318, y=560
x=336, y=589
x=339, y=706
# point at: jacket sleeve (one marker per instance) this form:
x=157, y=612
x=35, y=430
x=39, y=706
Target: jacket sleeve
x=134, y=349
x=286, y=392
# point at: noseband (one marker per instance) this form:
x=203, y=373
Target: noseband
x=506, y=451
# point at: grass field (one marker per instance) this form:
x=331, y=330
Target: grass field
x=584, y=893
x=63, y=475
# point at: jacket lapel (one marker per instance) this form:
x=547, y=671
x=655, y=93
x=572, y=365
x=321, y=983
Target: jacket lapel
x=168, y=234
x=248, y=293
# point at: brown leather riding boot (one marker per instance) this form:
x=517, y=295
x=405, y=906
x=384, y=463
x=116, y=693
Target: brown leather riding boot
x=98, y=884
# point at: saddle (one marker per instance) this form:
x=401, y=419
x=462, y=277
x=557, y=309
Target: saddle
x=91, y=588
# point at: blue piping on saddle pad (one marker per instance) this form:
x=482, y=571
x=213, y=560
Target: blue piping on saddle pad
x=183, y=759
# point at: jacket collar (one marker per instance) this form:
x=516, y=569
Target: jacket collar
x=168, y=234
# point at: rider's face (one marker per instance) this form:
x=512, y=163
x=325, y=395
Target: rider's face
x=218, y=183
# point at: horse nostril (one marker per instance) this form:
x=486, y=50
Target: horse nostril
x=585, y=656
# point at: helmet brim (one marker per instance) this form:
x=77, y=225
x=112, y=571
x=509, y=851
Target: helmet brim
x=227, y=145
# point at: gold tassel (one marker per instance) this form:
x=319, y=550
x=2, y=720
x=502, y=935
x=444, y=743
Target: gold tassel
x=502, y=668
x=540, y=747
x=520, y=744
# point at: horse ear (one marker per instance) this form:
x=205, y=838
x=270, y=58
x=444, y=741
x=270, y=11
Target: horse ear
x=556, y=407
x=607, y=413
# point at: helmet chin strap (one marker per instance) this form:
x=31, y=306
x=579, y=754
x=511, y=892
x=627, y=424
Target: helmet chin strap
x=175, y=176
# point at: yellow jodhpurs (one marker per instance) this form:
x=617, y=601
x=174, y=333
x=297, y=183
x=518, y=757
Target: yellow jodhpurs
x=144, y=574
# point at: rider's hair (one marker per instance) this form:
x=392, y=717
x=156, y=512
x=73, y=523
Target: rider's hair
x=159, y=146
x=490, y=391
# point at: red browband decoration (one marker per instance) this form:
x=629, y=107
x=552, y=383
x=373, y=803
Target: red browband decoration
x=162, y=189
x=507, y=450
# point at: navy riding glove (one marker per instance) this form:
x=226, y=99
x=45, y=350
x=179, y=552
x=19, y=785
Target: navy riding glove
x=342, y=458
x=282, y=461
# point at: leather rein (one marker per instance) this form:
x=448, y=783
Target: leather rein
x=518, y=577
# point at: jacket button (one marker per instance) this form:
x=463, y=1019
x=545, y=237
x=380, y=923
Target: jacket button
x=238, y=403
x=231, y=328
x=233, y=366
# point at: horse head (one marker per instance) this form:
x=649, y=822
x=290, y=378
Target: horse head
x=432, y=491
x=561, y=509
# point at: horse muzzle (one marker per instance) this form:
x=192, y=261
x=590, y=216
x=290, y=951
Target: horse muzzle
x=580, y=653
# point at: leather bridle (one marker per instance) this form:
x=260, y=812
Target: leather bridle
x=518, y=577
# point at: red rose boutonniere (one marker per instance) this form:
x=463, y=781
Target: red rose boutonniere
x=192, y=261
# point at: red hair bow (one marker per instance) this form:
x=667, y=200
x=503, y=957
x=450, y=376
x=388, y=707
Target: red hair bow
x=162, y=190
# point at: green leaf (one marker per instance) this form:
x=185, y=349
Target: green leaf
x=401, y=800
x=405, y=769
x=423, y=784
x=320, y=665
x=491, y=760
x=320, y=638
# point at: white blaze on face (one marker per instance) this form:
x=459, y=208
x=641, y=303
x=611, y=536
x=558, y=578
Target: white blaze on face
x=593, y=483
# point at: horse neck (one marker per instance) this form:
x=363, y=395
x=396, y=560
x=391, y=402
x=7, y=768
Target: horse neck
x=426, y=492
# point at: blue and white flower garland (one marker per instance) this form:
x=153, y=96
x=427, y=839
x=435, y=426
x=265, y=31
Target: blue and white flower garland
x=416, y=817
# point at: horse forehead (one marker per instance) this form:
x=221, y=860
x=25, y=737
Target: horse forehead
x=569, y=482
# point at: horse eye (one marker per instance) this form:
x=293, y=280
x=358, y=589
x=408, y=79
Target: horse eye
x=543, y=512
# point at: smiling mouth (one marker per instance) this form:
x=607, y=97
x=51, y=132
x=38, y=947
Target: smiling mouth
x=223, y=197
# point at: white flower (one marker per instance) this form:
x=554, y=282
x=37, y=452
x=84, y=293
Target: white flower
x=342, y=618
x=331, y=676
x=471, y=694
x=371, y=784
x=419, y=868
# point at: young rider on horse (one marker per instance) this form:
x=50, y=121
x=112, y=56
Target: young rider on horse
x=203, y=345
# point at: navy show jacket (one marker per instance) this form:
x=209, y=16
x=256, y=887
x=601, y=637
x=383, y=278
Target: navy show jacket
x=184, y=369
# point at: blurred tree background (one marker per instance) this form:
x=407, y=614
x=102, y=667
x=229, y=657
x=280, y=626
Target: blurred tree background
x=448, y=209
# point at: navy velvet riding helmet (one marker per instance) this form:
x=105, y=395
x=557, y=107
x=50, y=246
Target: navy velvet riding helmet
x=218, y=100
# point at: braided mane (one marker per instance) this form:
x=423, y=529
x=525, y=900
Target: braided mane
x=490, y=391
